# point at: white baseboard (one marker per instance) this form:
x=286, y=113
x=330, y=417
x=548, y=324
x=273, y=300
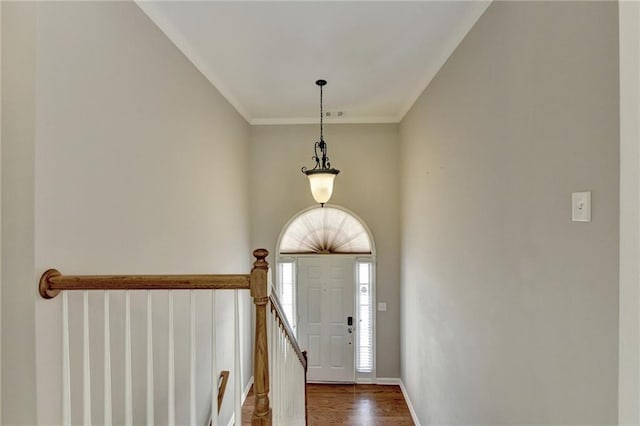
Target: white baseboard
x=414, y=416
x=321, y=382
x=387, y=381
x=245, y=393
x=363, y=381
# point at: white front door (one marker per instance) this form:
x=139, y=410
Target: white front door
x=325, y=304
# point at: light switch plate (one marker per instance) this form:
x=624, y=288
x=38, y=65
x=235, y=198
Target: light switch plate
x=581, y=206
x=382, y=306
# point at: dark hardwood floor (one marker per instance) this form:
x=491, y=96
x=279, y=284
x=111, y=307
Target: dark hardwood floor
x=352, y=405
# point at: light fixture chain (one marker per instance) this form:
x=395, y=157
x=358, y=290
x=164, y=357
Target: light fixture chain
x=321, y=115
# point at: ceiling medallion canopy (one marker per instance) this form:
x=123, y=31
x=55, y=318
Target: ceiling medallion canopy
x=322, y=175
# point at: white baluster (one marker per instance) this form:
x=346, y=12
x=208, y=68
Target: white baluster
x=86, y=361
x=280, y=374
x=290, y=384
x=274, y=374
x=150, y=421
x=295, y=383
x=236, y=362
x=192, y=363
x=270, y=351
x=285, y=377
x=108, y=411
x=303, y=395
x=171, y=416
x=128, y=385
x=287, y=372
x=286, y=401
x=276, y=371
x=66, y=372
x=271, y=359
x=214, y=366
x=290, y=397
x=298, y=381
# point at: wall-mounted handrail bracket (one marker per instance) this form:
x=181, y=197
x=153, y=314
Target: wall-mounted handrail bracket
x=45, y=285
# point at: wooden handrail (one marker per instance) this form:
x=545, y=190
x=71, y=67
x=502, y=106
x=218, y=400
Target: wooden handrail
x=52, y=282
x=276, y=308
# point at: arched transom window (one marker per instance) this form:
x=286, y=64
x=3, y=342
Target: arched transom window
x=325, y=230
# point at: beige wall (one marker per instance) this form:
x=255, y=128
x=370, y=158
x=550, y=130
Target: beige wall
x=18, y=276
x=509, y=309
x=629, y=379
x=126, y=160
x=367, y=156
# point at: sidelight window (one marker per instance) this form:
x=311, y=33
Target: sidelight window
x=364, y=347
x=287, y=290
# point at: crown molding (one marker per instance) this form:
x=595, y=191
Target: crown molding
x=316, y=120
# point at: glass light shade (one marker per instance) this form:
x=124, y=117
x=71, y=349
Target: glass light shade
x=321, y=186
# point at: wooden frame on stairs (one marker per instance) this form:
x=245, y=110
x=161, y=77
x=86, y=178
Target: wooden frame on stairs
x=260, y=294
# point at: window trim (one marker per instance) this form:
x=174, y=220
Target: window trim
x=335, y=206
x=279, y=289
x=366, y=377
x=369, y=260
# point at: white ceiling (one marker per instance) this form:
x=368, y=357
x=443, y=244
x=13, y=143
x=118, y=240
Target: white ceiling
x=265, y=56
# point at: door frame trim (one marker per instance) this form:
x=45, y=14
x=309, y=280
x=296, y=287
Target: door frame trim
x=365, y=377
x=358, y=377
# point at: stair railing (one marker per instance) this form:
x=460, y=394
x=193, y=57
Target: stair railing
x=268, y=322
x=288, y=366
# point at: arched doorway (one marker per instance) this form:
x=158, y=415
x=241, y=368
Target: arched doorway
x=326, y=283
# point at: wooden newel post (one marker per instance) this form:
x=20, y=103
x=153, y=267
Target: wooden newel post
x=259, y=293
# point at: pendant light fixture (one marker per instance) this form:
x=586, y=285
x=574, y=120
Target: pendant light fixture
x=322, y=175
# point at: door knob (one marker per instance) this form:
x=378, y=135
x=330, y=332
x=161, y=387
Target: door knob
x=350, y=330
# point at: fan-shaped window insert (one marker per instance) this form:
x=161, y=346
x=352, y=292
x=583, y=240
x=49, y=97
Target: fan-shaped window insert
x=325, y=230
